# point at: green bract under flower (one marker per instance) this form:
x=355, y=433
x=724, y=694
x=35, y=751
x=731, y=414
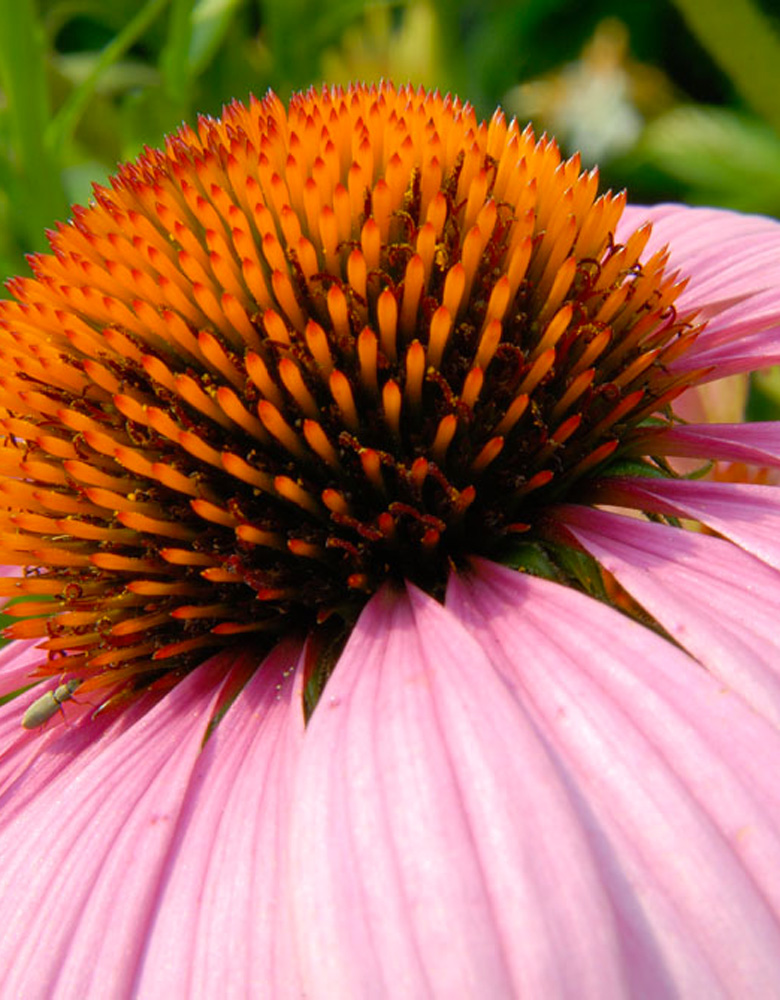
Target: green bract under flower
x=299, y=352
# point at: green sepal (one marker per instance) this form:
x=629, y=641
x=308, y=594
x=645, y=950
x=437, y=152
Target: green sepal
x=633, y=467
x=581, y=568
x=532, y=558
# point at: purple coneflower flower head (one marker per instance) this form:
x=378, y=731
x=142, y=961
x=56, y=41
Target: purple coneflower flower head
x=370, y=645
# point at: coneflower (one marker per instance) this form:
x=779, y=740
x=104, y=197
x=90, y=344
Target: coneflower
x=315, y=426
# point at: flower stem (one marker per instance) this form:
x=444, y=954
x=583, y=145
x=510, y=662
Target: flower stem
x=37, y=194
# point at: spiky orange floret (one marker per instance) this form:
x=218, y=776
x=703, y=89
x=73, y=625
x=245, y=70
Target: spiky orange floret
x=298, y=351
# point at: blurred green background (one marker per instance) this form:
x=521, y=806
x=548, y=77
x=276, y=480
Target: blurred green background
x=674, y=99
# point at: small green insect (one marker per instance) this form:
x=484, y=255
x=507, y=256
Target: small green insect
x=49, y=704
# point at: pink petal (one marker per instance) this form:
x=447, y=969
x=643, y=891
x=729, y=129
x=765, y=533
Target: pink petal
x=718, y=602
x=733, y=261
x=81, y=861
x=746, y=340
x=218, y=926
x=436, y=850
x=757, y=443
x=676, y=783
x=16, y=661
x=30, y=760
x=729, y=255
x=746, y=514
